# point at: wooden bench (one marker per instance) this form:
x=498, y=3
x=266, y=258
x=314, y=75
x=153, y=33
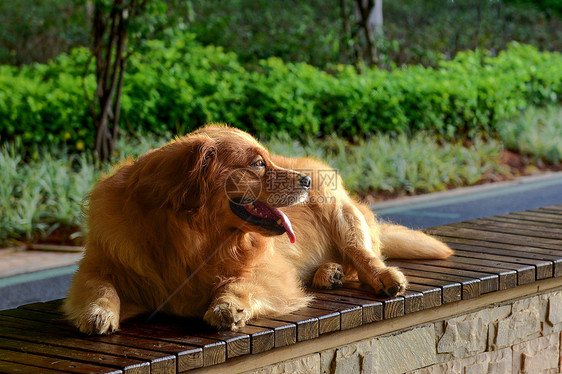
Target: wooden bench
x=501, y=264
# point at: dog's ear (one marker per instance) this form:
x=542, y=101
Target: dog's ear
x=176, y=175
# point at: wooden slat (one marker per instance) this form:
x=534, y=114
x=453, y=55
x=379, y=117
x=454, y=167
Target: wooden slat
x=307, y=327
x=432, y=296
x=328, y=321
x=392, y=307
x=506, y=249
x=237, y=344
x=525, y=273
x=548, y=211
x=15, y=368
x=372, y=310
x=450, y=291
x=284, y=333
x=485, y=236
x=350, y=315
x=487, y=282
x=214, y=351
x=470, y=287
x=414, y=301
x=261, y=339
x=507, y=228
x=52, y=363
x=125, y=364
x=161, y=355
x=536, y=217
x=507, y=278
x=514, y=227
x=531, y=225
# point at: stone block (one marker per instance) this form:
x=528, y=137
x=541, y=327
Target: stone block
x=537, y=356
x=524, y=323
x=464, y=336
x=407, y=350
x=302, y=365
x=496, y=362
x=359, y=357
x=552, y=320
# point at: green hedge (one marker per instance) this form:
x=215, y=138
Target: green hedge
x=182, y=85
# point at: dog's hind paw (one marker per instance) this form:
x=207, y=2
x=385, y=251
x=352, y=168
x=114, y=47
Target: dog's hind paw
x=329, y=276
x=226, y=316
x=389, y=282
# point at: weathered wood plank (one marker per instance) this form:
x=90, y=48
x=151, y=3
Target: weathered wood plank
x=125, y=364
x=525, y=273
x=450, y=291
x=531, y=225
x=506, y=228
x=350, y=315
x=328, y=321
x=487, y=282
x=432, y=296
x=157, y=352
x=15, y=368
x=372, y=310
x=214, y=351
x=261, y=339
x=307, y=327
x=52, y=363
x=524, y=252
x=507, y=277
x=392, y=307
x=285, y=333
x=486, y=236
x=536, y=217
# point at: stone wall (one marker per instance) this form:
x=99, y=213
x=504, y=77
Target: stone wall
x=522, y=336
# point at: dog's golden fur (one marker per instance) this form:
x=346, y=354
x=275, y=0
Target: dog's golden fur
x=163, y=236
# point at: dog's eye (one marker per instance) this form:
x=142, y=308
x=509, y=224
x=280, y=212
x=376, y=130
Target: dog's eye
x=258, y=164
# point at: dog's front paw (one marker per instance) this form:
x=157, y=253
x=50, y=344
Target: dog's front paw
x=328, y=276
x=389, y=282
x=99, y=319
x=226, y=316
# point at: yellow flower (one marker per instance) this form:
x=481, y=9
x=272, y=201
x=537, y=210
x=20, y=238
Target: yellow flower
x=80, y=145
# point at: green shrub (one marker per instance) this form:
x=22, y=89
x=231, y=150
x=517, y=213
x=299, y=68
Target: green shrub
x=179, y=85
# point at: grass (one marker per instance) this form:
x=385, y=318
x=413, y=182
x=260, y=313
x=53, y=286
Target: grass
x=537, y=133
x=44, y=192
x=391, y=164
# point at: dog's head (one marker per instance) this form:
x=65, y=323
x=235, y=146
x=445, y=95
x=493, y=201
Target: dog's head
x=223, y=173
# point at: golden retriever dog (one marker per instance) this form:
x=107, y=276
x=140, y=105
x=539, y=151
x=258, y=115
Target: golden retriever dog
x=195, y=229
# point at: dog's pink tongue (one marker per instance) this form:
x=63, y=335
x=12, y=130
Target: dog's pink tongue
x=286, y=224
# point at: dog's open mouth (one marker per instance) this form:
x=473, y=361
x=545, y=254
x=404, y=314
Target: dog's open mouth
x=263, y=215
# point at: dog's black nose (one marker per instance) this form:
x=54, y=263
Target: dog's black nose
x=305, y=181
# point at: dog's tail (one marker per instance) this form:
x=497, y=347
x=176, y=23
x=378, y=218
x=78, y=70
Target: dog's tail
x=399, y=242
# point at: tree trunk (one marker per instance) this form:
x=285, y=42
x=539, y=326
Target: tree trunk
x=110, y=42
x=376, y=19
x=364, y=8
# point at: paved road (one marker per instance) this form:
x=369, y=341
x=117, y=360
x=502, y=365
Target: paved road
x=417, y=212
x=474, y=202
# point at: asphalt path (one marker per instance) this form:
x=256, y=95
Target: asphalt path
x=473, y=202
x=416, y=212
